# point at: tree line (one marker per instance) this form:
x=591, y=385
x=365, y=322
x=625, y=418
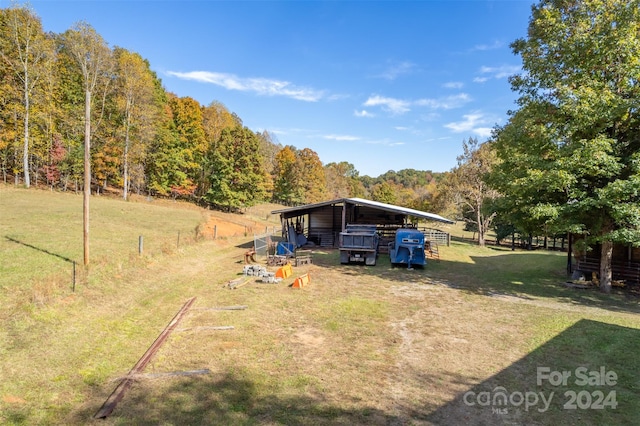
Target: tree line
x=70, y=105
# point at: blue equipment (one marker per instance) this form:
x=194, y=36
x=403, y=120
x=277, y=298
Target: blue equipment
x=408, y=248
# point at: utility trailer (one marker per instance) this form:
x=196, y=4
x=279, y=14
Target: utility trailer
x=359, y=243
x=408, y=248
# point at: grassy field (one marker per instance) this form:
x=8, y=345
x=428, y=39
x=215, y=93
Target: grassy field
x=463, y=341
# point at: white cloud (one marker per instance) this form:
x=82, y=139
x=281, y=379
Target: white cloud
x=472, y=123
x=482, y=47
x=395, y=106
x=261, y=86
x=431, y=116
x=397, y=70
x=454, y=85
x=480, y=79
x=483, y=132
x=400, y=106
x=363, y=113
x=341, y=137
x=385, y=142
x=500, y=72
x=447, y=102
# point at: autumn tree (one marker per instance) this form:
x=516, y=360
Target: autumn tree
x=135, y=101
x=24, y=51
x=287, y=177
x=216, y=117
x=188, y=120
x=572, y=147
x=299, y=176
x=313, y=180
x=343, y=180
x=9, y=121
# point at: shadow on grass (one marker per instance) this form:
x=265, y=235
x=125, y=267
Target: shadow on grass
x=600, y=385
x=595, y=358
x=13, y=240
x=227, y=400
x=521, y=274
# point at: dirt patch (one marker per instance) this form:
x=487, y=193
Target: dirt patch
x=310, y=337
x=11, y=399
x=218, y=226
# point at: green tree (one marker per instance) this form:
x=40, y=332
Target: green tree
x=168, y=161
x=237, y=176
x=384, y=192
x=578, y=115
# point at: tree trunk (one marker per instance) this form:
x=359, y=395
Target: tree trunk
x=125, y=165
x=480, y=227
x=25, y=150
x=606, y=254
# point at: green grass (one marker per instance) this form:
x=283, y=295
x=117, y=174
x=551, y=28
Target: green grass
x=41, y=236
x=358, y=345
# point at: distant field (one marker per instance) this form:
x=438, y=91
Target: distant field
x=358, y=345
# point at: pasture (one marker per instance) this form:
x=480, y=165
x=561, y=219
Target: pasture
x=358, y=345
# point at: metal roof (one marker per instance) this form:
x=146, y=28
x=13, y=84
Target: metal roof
x=374, y=204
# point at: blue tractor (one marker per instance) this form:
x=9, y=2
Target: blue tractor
x=408, y=248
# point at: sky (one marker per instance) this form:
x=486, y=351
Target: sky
x=383, y=85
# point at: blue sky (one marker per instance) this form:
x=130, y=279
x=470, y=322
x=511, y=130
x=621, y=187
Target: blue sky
x=384, y=85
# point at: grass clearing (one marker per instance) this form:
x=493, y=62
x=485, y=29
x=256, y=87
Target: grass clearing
x=358, y=345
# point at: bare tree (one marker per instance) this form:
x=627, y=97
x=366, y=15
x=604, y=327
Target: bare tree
x=469, y=188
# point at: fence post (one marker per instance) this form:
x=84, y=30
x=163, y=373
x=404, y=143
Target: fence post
x=140, y=244
x=74, y=277
x=178, y=243
x=215, y=231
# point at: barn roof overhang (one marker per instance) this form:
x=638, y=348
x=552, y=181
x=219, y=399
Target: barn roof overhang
x=307, y=208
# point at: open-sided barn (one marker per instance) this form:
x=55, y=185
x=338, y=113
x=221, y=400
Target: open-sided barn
x=321, y=223
x=585, y=261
